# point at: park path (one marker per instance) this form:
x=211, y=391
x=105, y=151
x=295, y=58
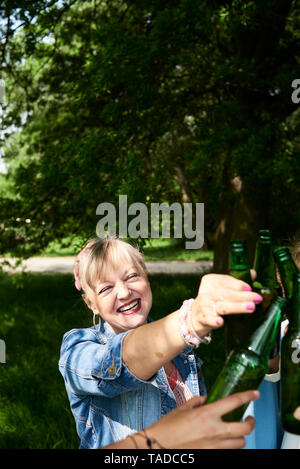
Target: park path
x=64, y=265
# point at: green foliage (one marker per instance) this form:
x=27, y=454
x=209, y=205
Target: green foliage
x=162, y=102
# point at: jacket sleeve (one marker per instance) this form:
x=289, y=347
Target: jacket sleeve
x=93, y=368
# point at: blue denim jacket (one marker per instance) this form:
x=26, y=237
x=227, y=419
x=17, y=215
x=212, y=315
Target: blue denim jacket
x=107, y=400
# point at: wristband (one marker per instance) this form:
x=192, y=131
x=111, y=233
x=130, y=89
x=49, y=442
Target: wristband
x=191, y=340
x=206, y=339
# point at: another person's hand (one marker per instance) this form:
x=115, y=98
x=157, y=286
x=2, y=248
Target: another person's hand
x=199, y=426
x=196, y=426
x=220, y=295
x=297, y=413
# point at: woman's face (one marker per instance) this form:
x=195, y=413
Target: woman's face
x=123, y=299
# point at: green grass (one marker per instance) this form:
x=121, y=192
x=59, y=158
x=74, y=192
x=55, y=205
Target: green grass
x=171, y=249
x=154, y=249
x=34, y=412
x=34, y=408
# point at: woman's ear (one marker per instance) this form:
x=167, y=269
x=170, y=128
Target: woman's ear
x=87, y=301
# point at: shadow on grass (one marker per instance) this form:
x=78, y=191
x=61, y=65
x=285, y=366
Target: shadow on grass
x=34, y=408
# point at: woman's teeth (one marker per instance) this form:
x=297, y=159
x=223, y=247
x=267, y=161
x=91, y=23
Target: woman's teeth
x=129, y=307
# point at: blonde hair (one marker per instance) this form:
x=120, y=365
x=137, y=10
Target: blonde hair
x=100, y=255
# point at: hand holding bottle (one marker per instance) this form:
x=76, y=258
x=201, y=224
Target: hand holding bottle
x=196, y=426
x=215, y=433
x=246, y=367
x=220, y=295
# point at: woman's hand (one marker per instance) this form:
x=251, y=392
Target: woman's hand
x=219, y=295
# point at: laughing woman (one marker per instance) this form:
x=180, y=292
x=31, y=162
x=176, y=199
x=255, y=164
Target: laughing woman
x=124, y=374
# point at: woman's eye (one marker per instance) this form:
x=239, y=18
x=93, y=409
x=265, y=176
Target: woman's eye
x=132, y=276
x=104, y=290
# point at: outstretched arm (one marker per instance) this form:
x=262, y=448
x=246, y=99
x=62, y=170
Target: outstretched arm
x=147, y=348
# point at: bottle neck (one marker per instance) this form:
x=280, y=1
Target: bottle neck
x=262, y=339
x=239, y=266
x=287, y=269
x=242, y=275
x=294, y=305
x=264, y=264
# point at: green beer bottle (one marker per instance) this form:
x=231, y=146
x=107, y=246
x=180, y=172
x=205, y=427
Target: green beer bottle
x=290, y=364
x=286, y=268
x=265, y=283
x=246, y=367
x=237, y=327
x=239, y=265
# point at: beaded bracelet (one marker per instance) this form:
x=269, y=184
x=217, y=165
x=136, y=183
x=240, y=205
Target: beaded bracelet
x=191, y=340
x=205, y=339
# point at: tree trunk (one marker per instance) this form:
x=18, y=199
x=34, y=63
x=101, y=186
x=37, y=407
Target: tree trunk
x=242, y=212
x=187, y=196
x=241, y=216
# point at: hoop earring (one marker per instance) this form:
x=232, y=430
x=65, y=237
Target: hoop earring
x=94, y=322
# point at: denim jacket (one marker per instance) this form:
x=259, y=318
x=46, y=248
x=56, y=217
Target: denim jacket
x=107, y=400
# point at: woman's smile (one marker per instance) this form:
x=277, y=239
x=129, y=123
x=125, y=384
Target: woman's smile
x=123, y=298
x=130, y=308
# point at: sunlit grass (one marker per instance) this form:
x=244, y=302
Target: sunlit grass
x=153, y=249
x=171, y=249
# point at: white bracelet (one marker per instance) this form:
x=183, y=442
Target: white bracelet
x=190, y=341
x=206, y=339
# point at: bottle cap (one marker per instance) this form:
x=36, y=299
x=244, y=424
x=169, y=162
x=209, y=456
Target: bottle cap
x=265, y=235
x=282, y=254
x=238, y=255
x=237, y=243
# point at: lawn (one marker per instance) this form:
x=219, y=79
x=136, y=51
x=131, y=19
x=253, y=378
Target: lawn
x=153, y=249
x=36, y=310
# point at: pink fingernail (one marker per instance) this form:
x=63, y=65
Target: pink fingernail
x=247, y=288
x=250, y=307
x=218, y=322
x=257, y=299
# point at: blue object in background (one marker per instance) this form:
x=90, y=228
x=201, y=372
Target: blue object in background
x=268, y=432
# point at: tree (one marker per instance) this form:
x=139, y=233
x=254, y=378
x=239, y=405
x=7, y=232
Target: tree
x=163, y=101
